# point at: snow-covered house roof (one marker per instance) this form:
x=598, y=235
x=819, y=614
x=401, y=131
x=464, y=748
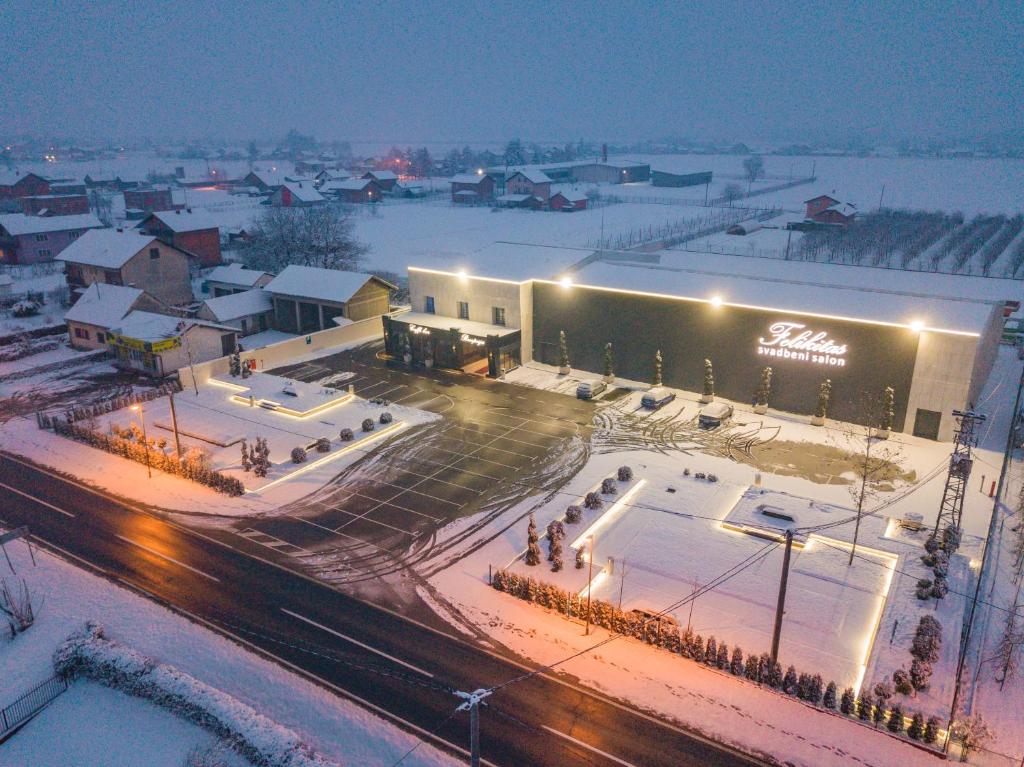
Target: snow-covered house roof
x=303, y=191
x=382, y=175
x=352, y=184
x=236, y=274
x=469, y=178
x=533, y=175
x=320, y=284
x=515, y=197
x=17, y=224
x=107, y=248
x=235, y=305
x=570, y=194
x=845, y=208
x=103, y=305
x=179, y=221
x=148, y=326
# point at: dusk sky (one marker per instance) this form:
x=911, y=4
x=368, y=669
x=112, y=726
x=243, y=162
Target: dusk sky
x=476, y=72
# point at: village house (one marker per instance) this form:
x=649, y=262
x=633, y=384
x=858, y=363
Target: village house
x=473, y=188
x=149, y=199
x=158, y=344
x=307, y=299
x=102, y=307
x=355, y=190
x=531, y=182
x=13, y=186
x=825, y=209
x=264, y=180
x=330, y=175
x=34, y=239
x=568, y=200
x=296, y=194
x=192, y=231
x=248, y=312
x=129, y=258
x=235, y=278
x=67, y=186
x=386, y=178
x=55, y=205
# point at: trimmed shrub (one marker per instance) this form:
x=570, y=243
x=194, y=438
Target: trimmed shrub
x=346, y=435
x=385, y=417
x=593, y=501
x=298, y=455
x=608, y=486
x=848, y=702
x=573, y=514
x=367, y=424
x=625, y=474
x=323, y=445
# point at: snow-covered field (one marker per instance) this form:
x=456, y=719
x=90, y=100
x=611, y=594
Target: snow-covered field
x=106, y=724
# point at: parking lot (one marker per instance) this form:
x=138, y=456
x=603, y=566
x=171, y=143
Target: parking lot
x=384, y=510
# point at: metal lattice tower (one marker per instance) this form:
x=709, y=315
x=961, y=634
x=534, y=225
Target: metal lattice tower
x=960, y=462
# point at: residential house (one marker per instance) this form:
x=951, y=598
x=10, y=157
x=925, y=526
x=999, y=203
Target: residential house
x=112, y=183
x=14, y=186
x=330, y=175
x=67, y=186
x=33, y=239
x=149, y=199
x=249, y=312
x=130, y=258
x=102, y=307
x=825, y=209
x=568, y=200
x=296, y=194
x=386, y=178
x=472, y=188
x=235, y=278
x=356, y=190
x=194, y=231
x=409, y=189
x=158, y=344
x=55, y=205
x=307, y=299
x=531, y=182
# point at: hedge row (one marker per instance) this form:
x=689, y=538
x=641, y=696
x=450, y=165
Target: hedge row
x=264, y=742
x=50, y=421
x=755, y=668
x=188, y=468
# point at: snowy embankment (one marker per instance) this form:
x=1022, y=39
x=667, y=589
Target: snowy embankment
x=66, y=597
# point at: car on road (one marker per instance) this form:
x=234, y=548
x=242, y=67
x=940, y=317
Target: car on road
x=714, y=415
x=656, y=398
x=590, y=389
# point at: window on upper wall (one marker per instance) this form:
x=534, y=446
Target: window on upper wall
x=42, y=237
x=428, y=304
x=44, y=254
x=154, y=252
x=463, y=310
x=498, y=315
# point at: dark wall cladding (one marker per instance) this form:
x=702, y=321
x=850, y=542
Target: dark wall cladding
x=687, y=332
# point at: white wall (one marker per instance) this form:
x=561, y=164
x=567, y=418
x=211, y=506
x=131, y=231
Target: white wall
x=481, y=294
x=942, y=377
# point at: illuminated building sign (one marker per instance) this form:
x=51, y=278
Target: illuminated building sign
x=474, y=341
x=419, y=330
x=793, y=341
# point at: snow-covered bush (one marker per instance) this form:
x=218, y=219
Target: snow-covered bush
x=608, y=486
x=385, y=417
x=16, y=606
x=848, y=702
x=346, y=435
x=625, y=474
x=573, y=514
x=88, y=653
x=25, y=309
x=367, y=424
x=298, y=455
x=323, y=445
x=901, y=681
x=924, y=589
x=829, y=700
x=593, y=501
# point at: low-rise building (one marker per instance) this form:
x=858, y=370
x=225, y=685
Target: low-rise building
x=34, y=239
x=611, y=171
x=568, y=200
x=129, y=258
x=307, y=299
x=102, y=307
x=825, y=209
x=194, y=231
x=664, y=178
x=386, y=178
x=473, y=188
x=296, y=194
x=356, y=190
x=158, y=344
x=534, y=183
x=55, y=205
x=149, y=199
x=15, y=185
x=251, y=311
x=235, y=278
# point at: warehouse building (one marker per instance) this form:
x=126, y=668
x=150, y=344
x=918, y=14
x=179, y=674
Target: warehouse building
x=933, y=338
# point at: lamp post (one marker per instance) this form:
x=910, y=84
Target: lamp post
x=145, y=441
x=590, y=580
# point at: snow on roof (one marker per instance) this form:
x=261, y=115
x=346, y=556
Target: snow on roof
x=184, y=220
x=846, y=208
x=469, y=327
x=235, y=305
x=468, y=178
x=819, y=197
x=569, y=193
x=321, y=284
x=103, y=305
x=108, y=248
x=382, y=175
x=352, y=184
x=305, y=192
x=18, y=223
x=235, y=274
x=621, y=163
x=10, y=178
x=509, y=261
x=533, y=175
x=947, y=301
x=148, y=326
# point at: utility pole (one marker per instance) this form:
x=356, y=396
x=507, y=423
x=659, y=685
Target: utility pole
x=473, y=701
x=174, y=425
x=781, y=607
x=590, y=583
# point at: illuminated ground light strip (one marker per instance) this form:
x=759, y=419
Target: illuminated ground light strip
x=603, y=520
x=601, y=576
x=344, y=451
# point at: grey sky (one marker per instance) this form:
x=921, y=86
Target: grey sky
x=446, y=71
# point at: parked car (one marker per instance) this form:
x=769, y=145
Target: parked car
x=714, y=415
x=590, y=389
x=657, y=397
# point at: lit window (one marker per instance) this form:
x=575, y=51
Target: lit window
x=463, y=310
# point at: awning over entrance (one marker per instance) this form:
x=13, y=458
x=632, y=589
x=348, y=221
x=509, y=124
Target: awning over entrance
x=437, y=322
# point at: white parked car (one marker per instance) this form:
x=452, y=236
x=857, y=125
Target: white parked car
x=590, y=389
x=656, y=398
x=714, y=415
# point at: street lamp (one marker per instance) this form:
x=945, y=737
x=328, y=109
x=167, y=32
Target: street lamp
x=145, y=441
x=590, y=580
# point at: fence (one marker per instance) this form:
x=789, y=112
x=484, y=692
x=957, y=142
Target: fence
x=25, y=707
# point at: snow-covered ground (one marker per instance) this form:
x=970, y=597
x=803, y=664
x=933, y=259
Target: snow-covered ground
x=67, y=597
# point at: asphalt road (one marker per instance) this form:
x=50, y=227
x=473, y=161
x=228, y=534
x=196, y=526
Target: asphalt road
x=403, y=670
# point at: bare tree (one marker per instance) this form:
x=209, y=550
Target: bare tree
x=731, y=193
x=16, y=604
x=320, y=235
x=753, y=169
x=971, y=732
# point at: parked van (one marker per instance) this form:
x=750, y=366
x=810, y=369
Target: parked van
x=590, y=389
x=656, y=398
x=714, y=415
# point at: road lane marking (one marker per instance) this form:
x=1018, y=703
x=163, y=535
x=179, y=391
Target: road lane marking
x=156, y=553
x=356, y=642
x=589, y=747
x=37, y=500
